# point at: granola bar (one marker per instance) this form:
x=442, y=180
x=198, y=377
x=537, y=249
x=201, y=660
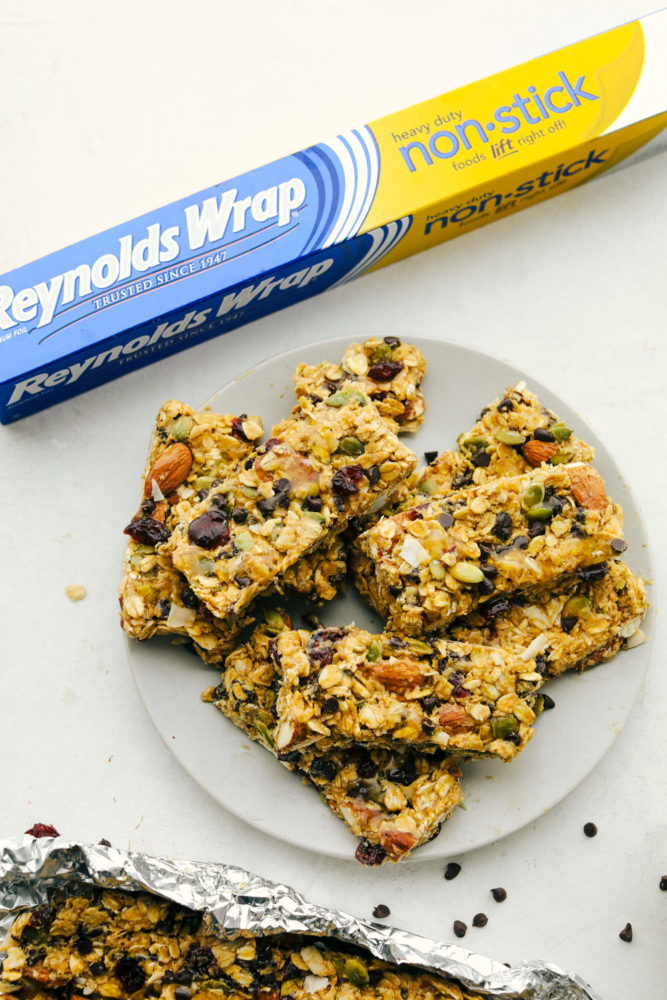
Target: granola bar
x=565, y=629
x=432, y=563
x=113, y=944
x=388, y=371
x=190, y=451
x=393, y=798
x=514, y=433
x=344, y=685
x=317, y=576
x=322, y=466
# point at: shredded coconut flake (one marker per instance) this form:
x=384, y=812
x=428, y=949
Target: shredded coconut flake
x=635, y=640
x=156, y=492
x=414, y=552
x=538, y=645
x=180, y=617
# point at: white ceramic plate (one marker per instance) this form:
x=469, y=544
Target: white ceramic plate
x=500, y=798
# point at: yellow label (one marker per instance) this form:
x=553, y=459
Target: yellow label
x=461, y=141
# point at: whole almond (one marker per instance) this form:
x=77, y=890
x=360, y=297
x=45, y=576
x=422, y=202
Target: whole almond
x=537, y=452
x=588, y=487
x=169, y=469
x=454, y=719
x=396, y=675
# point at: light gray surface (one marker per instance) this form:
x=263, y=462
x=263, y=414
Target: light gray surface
x=106, y=112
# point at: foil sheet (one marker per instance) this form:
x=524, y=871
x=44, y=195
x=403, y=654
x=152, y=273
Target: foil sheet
x=240, y=901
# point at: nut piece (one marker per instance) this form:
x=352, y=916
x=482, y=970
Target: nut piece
x=588, y=488
x=398, y=675
x=169, y=469
x=454, y=719
x=537, y=452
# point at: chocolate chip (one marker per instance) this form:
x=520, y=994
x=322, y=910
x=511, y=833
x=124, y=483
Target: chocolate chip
x=663, y=883
x=381, y=911
x=618, y=545
x=590, y=829
x=452, y=870
x=182, y=993
x=480, y=920
x=83, y=945
x=481, y=459
x=104, y=842
x=463, y=480
x=502, y=527
x=98, y=968
x=499, y=894
x=536, y=530
x=330, y=705
x=547, y=702
x=430, y=456
x=460, y=928
x=373, y=474
x=392, y=342
x=505, y=404
x=589, y=574
x=446, y=520
x=567, y=622
x=542, y=434
x=240, y=515
x=626, y=933
x=313, y=503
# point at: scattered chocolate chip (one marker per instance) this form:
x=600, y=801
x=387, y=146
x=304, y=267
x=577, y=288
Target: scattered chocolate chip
x=452, y=870
x=392, y=342
x=182, y=993
x=480, y=920
x=567, y=622
x=542, y=434
x=460, y=928
x=381, y=911
x=98, y=968
x=618, y=545
x=373, y=474
x=500, y=895
x=589, y=574
x=209, y=530
x=626, y=933
x=83, y=945
x=663, y=883
x=547, y=702
x=370, y=854
x=481, y=459
x=502, y=527
x=42, y=830
x=463, y=480
x=445, y=519
x=505, y=404
x=536, y=530
x=104, y=842
x=313, y=503
x=590, y=829
x=430, y=456
x=239, y=515
x=330, y=705
x=147, y=531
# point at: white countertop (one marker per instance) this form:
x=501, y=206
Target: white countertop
x=106, y=112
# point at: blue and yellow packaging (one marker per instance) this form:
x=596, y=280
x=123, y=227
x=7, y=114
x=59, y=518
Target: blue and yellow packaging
x=234, y=252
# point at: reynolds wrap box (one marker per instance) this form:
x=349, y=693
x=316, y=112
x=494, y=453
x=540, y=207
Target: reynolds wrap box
x=313, y=220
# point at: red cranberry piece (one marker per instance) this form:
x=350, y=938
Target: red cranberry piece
x=209, y=530
x=130, y=974
x=385, y=371
x=370, y=854
x=147, y=531
x=43, y=830
x=344, y=482
x=237, y=427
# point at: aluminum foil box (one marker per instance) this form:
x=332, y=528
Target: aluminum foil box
x=320, y=217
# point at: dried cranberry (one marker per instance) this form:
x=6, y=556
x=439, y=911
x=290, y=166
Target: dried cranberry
x=589, y=574
x=209, y=530
x=239, y=515
x=344, y=482
x=237, y=427
x=370, y=854
x=43, y=915
x=147, y=531
x=42, y=830
x=366, y=766
x=502, y=526
x=385, y=371
x=456, y=680
x=542, y=434
x=130, y=974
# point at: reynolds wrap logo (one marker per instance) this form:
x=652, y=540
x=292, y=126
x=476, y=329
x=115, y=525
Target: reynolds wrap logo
x=205, y=223
x=532, y=110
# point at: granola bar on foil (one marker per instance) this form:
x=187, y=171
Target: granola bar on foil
x=190, y=452
x=393, y=798
x=219, y=931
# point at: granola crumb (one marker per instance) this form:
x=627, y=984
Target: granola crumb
x=75, y=592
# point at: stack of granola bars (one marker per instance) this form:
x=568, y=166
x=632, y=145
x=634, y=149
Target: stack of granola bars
x=495, y=568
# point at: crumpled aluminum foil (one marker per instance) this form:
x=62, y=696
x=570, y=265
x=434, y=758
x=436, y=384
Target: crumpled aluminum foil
x=240, y=901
